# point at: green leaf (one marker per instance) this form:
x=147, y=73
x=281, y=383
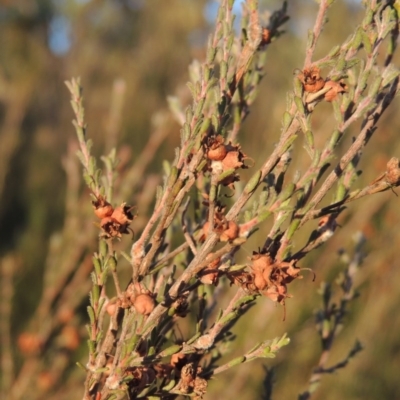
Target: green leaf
x=252, y=183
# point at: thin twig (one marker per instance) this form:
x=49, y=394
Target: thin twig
x=319, y=23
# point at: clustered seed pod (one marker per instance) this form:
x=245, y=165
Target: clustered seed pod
x=311, y=79
x=114, y=222
x=227, y=230
x=313, y=82
x=267, y=277
x=224, y=157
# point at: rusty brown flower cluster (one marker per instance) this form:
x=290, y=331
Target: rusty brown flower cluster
x=267, y=276
x=114, y=222
x=226, y=230
x=135, y=296
x=313, y=83
x=223, y=158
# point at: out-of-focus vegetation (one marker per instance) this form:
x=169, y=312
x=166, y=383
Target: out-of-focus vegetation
x=131, y=55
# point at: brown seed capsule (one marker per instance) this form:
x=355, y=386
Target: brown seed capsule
x=144, y=304
x=102, y=208
x=122, y=214
x=218, y=153
x=231, y=233
x=103, y=212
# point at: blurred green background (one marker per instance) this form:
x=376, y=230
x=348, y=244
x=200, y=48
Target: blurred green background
x=131, y=55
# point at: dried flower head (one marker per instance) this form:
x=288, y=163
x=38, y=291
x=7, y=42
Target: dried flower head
x=122, y=214
x=311, y=79
x=227, y=230
x=335, y=89
x=117, y=224
x=268, y=277
x=224, y=157
x=234, y=158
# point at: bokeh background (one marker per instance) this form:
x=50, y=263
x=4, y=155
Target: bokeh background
x=131, y=56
